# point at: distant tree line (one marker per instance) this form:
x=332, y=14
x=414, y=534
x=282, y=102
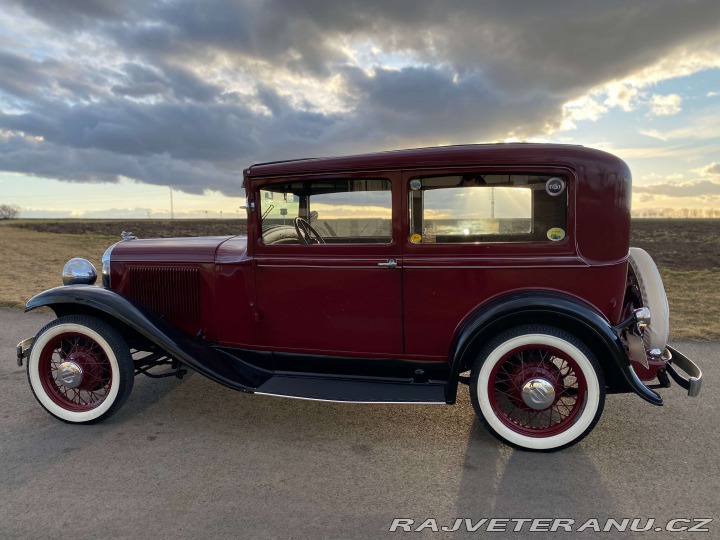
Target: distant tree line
x=678, y=213
x=9, y=211
x=12, y=211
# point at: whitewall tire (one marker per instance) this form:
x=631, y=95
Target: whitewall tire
x=80, y=369
x=537, y=388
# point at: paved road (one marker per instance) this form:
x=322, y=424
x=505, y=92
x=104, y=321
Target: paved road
x=191, y=459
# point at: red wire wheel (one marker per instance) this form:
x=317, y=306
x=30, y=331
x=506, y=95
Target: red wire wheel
x=95, y=375
x=516, y=370
x=537, y=388
x=80, y=369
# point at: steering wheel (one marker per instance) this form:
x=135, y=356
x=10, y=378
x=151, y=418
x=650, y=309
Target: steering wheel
x=306, y=233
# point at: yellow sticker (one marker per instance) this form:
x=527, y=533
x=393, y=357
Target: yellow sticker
x=556, y=234
x=416, y=238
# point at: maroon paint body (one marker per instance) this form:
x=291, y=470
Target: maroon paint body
x=334, y=299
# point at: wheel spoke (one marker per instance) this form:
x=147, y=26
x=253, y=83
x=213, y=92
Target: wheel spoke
x=90, y=357
x=554, y=367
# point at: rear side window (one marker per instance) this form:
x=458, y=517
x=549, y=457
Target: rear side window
x=477, y=207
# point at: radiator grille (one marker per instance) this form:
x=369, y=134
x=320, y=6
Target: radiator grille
x=172, y=293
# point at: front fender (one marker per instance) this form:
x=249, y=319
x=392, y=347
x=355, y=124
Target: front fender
x=551, y=308
x=114, y=308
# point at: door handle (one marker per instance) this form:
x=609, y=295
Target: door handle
x=391, y=263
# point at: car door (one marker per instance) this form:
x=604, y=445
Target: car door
x=327, y=258
x=474, y=234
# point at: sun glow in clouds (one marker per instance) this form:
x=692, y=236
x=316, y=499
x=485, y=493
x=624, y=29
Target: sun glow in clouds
x=174, y=97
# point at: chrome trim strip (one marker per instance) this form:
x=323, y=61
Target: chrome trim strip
x=411, y=267
x=490, y=267
x=349, y=266
x=358, y=402
x=105, y=269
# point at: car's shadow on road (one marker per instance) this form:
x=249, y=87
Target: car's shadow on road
x=51, y=441
x=519, y=485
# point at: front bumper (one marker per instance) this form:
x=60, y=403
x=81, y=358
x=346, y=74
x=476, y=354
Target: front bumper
x=675, y=360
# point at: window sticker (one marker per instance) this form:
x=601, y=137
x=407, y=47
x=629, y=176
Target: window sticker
x=416, y=238
x=415, y=185
x=556, y=234
x=429, y=236
x=555, y=186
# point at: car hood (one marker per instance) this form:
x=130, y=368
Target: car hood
x=178, y=250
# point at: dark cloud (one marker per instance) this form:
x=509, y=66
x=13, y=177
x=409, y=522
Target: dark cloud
x=182, y=131
x=18, y=154
x=76, y=13
x=523, y=46
x=131, y=93
x=172, y=80
x=20, y=77
x=38, y=81
x=435, y=103
x=138, y=90
x=568, y=47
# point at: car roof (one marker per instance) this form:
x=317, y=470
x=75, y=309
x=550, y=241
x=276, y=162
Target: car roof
x=440, y=156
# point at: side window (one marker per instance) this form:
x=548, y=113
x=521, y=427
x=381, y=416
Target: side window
x=332, y=211
x=479, y=207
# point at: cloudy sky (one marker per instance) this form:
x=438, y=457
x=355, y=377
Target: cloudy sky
x=105, y=105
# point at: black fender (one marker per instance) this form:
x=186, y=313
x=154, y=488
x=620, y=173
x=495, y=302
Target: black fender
x=554, y=309
x=215, y=364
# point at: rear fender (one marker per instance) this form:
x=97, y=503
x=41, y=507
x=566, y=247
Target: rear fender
x=119, y=311
x=554, y=309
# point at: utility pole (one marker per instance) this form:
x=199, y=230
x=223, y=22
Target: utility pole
x=172, y=211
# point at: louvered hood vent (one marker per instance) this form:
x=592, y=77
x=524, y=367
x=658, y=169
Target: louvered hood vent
x=171, y=292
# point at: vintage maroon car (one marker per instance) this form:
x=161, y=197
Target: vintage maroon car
x=386, y=278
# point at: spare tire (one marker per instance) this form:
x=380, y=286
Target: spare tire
x=652, y=296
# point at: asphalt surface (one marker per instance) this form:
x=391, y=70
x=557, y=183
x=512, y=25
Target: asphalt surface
x=192, y=459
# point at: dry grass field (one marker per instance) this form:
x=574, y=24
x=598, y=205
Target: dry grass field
x=687, y=251
x=32, y=253
x=31, y=261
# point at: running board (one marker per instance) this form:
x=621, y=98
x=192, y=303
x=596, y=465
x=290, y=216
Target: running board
x=352, y=390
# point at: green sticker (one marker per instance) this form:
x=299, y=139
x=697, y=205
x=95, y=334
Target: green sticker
x=556, y=234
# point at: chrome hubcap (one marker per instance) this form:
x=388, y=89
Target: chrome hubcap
x=538, y=394
x=69, y=374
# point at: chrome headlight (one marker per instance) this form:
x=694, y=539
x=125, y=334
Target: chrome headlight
x=106, y=266
x=79, y=272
